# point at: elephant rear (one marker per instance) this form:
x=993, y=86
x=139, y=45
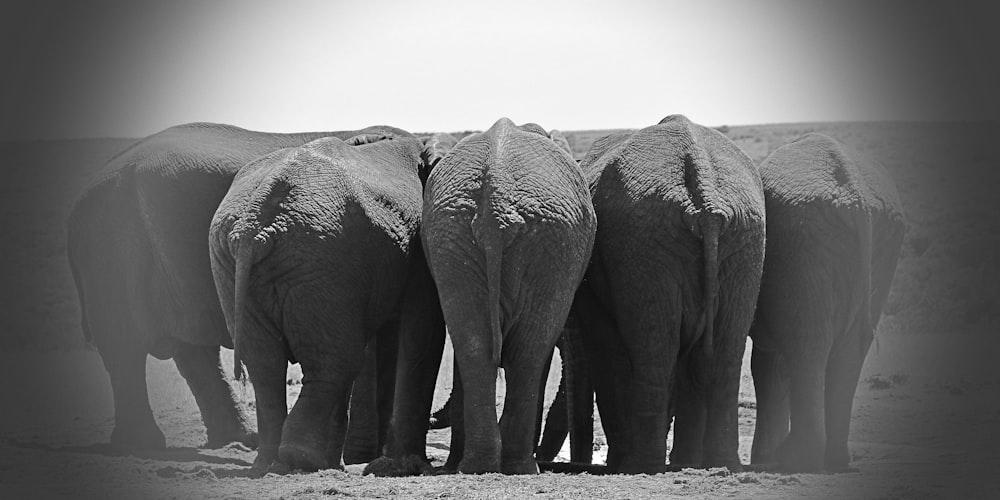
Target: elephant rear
x=311, y=249
x=834, y=232
x=508, y=228
x=670, y=294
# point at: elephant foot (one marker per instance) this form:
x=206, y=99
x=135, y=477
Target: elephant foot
x=298, y=458
x=363, y=457
x=472, y=464
x=219, y=440
x=528, y=466
x=628, y=466
x=762, y=467
x=261, y=466
x=444, y=471
x=837, y=461
x=440, y=419
x=410, y=465
x=731, y=463
x=138, y=437
x=795, y=455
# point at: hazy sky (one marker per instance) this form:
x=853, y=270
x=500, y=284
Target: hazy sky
x=125, y=70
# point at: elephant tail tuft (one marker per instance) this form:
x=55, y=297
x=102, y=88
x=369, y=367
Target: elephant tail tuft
x=710, y=228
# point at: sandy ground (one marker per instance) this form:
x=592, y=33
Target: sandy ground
x=925, y=426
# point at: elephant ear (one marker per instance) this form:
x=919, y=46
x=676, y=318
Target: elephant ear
x=435, y=147
x=560, y=141
x=361, y=139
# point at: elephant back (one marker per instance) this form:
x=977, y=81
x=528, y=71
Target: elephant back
x=818, y=171
x=677, y=169
x=520, y=173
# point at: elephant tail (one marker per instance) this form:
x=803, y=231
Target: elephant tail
x=863, y=223
x=244, y=261
x=487, y=231
x=78, y=282
x=493, y=256
x=710, y=229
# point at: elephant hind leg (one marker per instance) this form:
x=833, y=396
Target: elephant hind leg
x=802, y=450
x=224, y=421
x=267, y=368
x=361, y=442
x=466, y=314
x=135, y=427
x=690, y=400
x=771, y=387
x=314, y=434
x=556, y=424
x=520, y=413
x=842, y=373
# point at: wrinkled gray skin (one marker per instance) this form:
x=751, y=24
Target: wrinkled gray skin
x=834, y=232
x=508, y=228
x=670, y=293
x=573, y=417
x=311, y=250
x=138, y=250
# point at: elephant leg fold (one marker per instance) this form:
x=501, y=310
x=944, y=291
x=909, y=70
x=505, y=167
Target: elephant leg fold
x=224, y=420
x=135, y=427
x=771, y=388
x=842, y=373
x=361, y=442
x=267, y=368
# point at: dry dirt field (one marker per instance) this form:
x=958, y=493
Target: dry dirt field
x=927, y=412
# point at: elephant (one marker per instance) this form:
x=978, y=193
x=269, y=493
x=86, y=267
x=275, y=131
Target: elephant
x=507, y=230
x=572, y=411
x=311, y=251
x=138, y=252
x=834, y=231
x=669, y=296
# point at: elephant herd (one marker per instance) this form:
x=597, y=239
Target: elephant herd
x=348, y=253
